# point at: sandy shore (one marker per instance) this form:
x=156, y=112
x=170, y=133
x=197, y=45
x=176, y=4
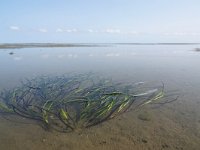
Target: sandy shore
x=165, y=127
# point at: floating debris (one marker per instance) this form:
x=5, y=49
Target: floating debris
x=197, y=49
x=11, y=53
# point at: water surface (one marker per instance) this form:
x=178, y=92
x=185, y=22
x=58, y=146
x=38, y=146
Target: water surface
x=171, y=126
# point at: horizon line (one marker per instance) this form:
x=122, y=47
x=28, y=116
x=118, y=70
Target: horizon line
x=62, y=45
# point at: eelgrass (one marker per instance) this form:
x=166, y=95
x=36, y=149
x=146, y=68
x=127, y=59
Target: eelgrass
x=71, y=102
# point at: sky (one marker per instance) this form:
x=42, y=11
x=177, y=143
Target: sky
x=99, y=21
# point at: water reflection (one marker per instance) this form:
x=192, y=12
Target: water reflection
x=154, y=60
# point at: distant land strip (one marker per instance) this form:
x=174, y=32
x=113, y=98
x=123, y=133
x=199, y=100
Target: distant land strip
x=46, y=45
x=158, y=43
x=59, y=45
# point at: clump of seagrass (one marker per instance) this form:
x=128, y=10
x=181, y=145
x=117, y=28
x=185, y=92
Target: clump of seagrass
x=71, y=102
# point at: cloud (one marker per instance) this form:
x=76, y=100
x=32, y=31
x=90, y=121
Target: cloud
x=176, y=33
x=112, y=31
x=43, y=30
x=133, y=33
x=66, y=30
x=71, y=30
x=59, y=30
x=181, y=33
x=15, y=28
x=92, y=31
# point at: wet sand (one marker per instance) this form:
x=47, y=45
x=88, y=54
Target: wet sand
x=174, y=126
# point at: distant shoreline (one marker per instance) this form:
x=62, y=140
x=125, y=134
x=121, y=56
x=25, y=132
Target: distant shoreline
x=44, y=45
x=60, y=45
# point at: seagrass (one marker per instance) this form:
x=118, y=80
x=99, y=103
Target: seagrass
x=75, y=101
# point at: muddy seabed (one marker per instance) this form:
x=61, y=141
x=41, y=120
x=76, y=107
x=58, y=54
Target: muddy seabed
x=172, y=126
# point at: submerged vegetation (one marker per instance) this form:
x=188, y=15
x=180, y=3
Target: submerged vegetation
x=72, y=102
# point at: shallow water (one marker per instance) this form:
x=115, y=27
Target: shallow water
x=172, y=126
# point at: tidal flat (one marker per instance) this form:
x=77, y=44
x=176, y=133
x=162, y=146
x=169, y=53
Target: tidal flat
x=174, y=125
